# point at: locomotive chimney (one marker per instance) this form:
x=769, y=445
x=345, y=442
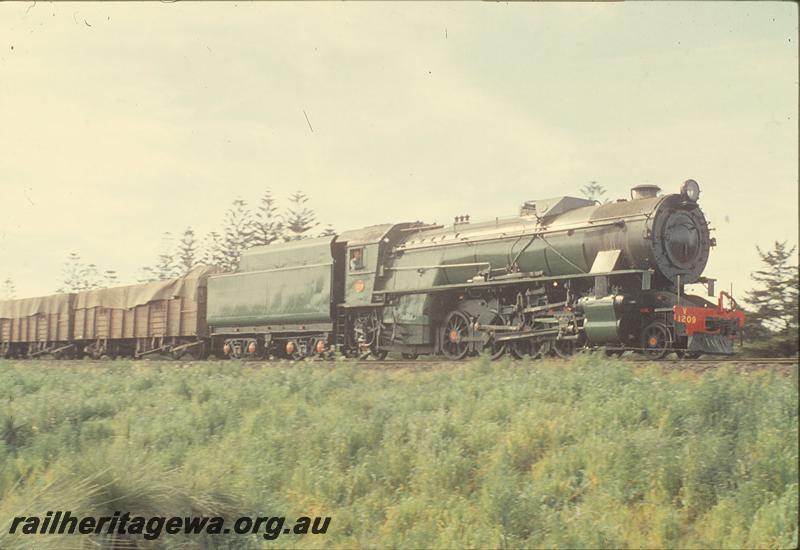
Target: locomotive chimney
x=645, y=191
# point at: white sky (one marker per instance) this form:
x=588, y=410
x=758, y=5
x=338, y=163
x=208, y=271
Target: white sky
x=121, y=121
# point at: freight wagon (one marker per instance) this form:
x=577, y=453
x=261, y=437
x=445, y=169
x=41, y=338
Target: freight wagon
x=138, y=320
x=133, y=321
x=32, y=327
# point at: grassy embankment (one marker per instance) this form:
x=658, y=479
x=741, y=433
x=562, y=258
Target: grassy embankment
x=594, y=453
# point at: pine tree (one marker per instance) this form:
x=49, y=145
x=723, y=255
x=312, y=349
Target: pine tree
x=9, y=291
x=70, y=273
x=775, y=299
x=594, y=192
x=110, y=278
x=267, y=226
x=328, y=232
x=299, y=219
x=187, y=251
x=78, y=276
x=166, y=266
x=90, y=277
x=237, y=234
x=213, y=250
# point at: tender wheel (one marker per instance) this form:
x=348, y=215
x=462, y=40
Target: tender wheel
x=564, y=348
x=656, y=341
x=682, y=354
x=455, y=332
x=410, y=356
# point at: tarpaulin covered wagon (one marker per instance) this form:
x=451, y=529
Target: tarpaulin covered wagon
x=31, y=327
x=136, y=320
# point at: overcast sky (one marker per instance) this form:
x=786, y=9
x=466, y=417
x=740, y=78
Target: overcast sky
x=121, y=121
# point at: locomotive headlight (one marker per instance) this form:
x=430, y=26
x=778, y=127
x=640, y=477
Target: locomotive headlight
x=691, y=190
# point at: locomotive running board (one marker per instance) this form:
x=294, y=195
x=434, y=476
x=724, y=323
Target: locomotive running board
x=645, y=273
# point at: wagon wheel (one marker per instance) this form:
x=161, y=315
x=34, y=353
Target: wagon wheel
x=495, y=349
x=455, y=332
x=656, y=340
x=564, y=348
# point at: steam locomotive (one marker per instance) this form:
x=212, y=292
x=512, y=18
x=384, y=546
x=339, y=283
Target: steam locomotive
x=565, y=274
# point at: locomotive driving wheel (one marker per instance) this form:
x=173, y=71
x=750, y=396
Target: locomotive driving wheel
x=533, y=349
x=494, y=348
x=455, y=333
x=564, y=348
x=529, y=347
x=656, y=340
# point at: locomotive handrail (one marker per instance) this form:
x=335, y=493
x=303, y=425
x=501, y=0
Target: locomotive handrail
x=272, y=270
x=525, y=231
x=440, y=266
x=721, y=303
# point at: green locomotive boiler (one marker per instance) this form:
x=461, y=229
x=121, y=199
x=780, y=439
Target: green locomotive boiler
x=565, y=274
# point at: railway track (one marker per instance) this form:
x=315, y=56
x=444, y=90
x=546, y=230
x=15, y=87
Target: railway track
x=754, y=363
x=698, y=365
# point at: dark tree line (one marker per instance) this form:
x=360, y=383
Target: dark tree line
x=78, y=275
x=242, y=227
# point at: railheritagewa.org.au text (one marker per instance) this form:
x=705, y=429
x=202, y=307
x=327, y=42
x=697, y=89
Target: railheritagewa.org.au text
x=125, y=524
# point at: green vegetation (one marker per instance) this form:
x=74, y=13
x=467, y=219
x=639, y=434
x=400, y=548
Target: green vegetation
x=772, y=324
x=595, y=453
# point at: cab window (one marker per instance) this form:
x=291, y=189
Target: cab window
x=356, y=259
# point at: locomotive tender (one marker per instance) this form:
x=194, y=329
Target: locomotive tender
x=566, y=274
